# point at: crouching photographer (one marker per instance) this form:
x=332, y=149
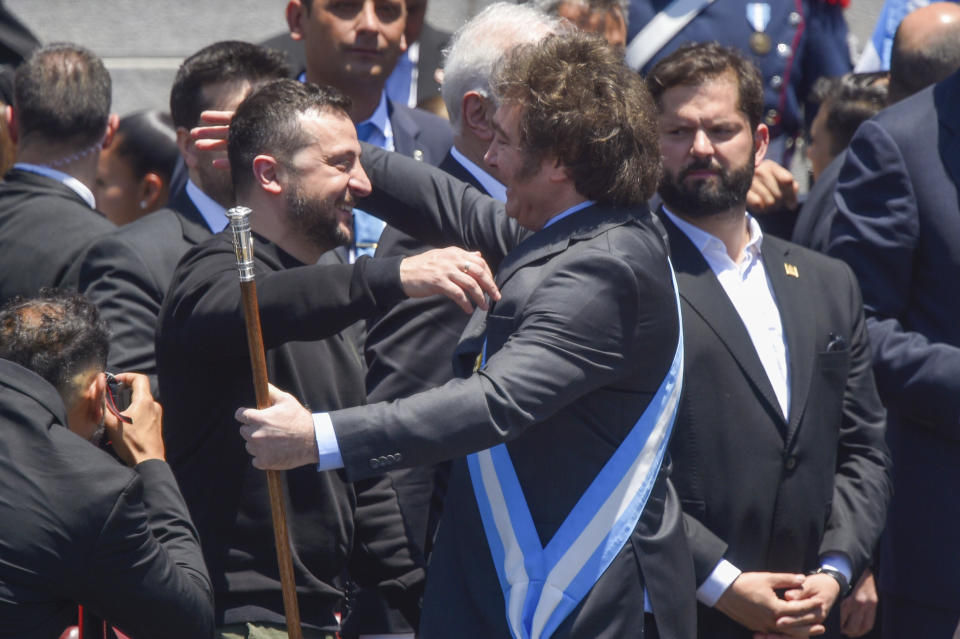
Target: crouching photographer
x=76, y=527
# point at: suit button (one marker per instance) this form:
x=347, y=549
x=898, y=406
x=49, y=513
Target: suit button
x=374, y=464
x=791, y=462
x=397, y=458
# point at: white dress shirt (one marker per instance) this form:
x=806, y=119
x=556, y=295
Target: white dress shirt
x=748, y=287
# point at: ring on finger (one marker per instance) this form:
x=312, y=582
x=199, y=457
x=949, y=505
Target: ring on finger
x=466, y=267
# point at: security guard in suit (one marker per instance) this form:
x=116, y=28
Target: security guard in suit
x=792, y=42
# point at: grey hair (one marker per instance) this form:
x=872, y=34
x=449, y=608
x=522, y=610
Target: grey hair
x=479, y=44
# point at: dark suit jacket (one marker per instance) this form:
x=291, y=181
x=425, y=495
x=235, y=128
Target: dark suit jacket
x=764, y=492
x=204, y=374
x=898, y=226
x=576, y=347
x=816, y=215
x=77, y=527
x=409, y=348
x=127, y=273
x=44, y=227
x=418, y=134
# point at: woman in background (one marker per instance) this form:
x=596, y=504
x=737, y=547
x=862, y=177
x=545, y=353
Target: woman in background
x=133, y=176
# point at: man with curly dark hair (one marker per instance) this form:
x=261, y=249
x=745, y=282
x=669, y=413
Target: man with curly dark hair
x=560, y=522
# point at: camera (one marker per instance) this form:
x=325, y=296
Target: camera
x=118, y=394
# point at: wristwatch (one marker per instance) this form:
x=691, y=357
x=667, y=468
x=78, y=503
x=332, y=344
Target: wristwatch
x=836, y=574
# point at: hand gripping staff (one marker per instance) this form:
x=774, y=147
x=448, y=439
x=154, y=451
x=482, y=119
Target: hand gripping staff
x=243, y=245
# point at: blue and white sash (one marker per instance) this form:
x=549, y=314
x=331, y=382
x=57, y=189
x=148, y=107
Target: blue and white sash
x=541, y=586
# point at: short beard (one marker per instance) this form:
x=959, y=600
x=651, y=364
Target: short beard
x=706, y=198
x=315, y=220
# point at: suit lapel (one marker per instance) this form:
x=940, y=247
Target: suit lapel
x=195, y=229
x=788, y=280
x=537, y=246
x=702, y=291
x=583, y=224
x=405, y=130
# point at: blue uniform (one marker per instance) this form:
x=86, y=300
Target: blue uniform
x=806, y=39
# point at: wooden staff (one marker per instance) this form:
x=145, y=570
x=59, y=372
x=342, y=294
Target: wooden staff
x=243, y=245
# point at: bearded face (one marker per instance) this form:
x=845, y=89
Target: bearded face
x=325, y=221
x=704, y=188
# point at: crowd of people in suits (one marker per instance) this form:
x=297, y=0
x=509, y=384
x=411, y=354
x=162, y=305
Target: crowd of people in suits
x=543, y=360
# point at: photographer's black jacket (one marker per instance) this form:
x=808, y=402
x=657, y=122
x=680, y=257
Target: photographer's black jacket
x=78, y=527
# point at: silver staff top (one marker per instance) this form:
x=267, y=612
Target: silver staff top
x=239, y=217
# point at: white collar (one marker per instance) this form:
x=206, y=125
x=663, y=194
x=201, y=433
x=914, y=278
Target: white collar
x=213, y=214
x=66, y=179
x=709, y=244
x=496, y=190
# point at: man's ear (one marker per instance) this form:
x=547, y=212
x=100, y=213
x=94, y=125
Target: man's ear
x=761, y=140
x=475, y=115
x=86, y=411
x=113, y=122
x=94, y=394
x=12, y=124
x=556, y=170
x=296, y=12
x=187, y=150
x=266, y=174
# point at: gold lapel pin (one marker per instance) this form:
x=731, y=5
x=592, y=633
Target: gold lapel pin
x=791, y=270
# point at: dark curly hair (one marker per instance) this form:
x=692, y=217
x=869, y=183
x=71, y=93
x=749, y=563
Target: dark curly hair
x=582, y=104
x=58, y=335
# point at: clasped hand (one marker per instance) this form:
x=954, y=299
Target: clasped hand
x=753, y=602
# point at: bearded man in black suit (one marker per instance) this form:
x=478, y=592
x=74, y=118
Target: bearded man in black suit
x=779, y=454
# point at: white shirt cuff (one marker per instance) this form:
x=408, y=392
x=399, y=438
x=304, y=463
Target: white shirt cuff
x=328, y=450
x=838, y=562
x=717, y=583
